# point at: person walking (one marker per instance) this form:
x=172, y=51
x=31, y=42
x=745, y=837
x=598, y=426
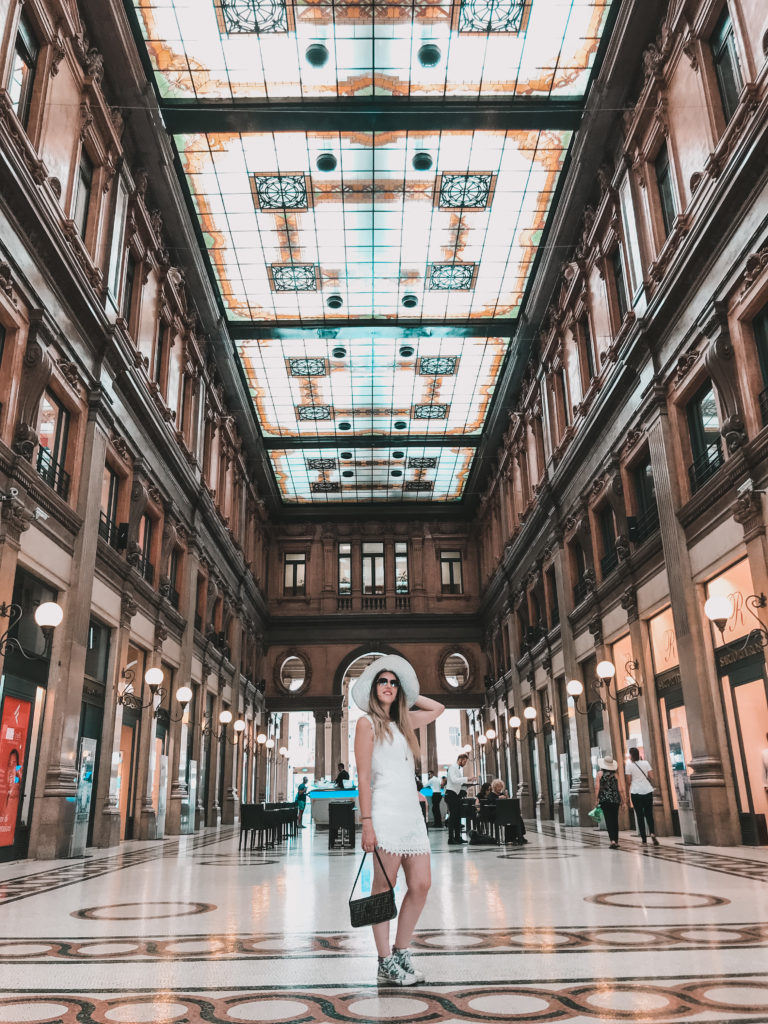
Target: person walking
x=638, y=774
x=301, y=800
x=610, y=796
x=386, y=749
x=434, y=784
x=453, y=787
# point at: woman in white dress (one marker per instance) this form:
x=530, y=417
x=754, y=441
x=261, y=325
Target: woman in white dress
x=385, y=750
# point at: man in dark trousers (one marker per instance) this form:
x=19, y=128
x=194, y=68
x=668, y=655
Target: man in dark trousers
x=342, y=777
x=453, y=787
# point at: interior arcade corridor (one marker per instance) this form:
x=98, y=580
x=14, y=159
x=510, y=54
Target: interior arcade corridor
x=190, y=930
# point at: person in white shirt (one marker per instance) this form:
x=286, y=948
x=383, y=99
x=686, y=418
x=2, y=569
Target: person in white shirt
x=434, y=784
x=456, y=782
x=638, y=772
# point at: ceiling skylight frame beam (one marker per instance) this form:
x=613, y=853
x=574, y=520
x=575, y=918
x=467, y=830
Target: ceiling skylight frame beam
x=341, y=330
x=391, y=440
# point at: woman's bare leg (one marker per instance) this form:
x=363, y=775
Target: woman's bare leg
x=418, y=877
x=391, y=863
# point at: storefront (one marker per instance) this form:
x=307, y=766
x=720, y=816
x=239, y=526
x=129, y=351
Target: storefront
x=672, y=715
x=741, y=671
x=127, y=756
x=22, y=701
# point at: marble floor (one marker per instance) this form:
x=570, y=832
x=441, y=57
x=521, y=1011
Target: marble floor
x=190, y=930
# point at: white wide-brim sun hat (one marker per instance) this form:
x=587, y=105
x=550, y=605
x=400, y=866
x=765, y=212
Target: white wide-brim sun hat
x=361, y=688
x=607, y=764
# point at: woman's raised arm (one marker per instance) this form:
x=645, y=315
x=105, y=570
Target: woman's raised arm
x=424, y=711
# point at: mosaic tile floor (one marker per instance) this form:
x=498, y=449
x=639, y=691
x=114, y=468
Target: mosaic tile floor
x=190, y=930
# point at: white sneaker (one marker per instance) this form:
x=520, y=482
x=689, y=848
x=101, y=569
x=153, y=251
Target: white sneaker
x=403, y=958
x=391, y=973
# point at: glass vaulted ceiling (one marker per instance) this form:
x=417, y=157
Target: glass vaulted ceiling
x=371, y=269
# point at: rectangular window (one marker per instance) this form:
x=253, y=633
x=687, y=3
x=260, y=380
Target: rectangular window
x=704, y=431
x=345, y=569
x=554, y=608
x=129, y=282
x=620, y=283
x=145, y=566
x=666, y=189
x=589, y=352
x=402, y=584
x=726, y=61
x=97, y=652
x=610, y=560
x=454, y=735
x=564, y=396
x=159, y=354
x=83, y=193
x=118, y=235
x=645, y=489
x=294, y=570
x=450, y=572
x=373, y=568
x=53, y=433
x=760, y=330
x=173, y=576
x=25, y=54
x=110, y=486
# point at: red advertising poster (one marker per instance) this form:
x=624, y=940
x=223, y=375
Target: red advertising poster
x=13, y=742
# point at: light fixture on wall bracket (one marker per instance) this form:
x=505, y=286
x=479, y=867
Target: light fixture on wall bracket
x=225, y=718
x=719, y=610
x=574, y=688
x=48, y=616
x=238, y=731
x=530, y=714
x=153, y=677
x=183, y=696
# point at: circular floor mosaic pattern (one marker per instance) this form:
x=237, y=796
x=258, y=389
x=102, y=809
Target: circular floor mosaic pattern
x=657, y=899
x=142, y=911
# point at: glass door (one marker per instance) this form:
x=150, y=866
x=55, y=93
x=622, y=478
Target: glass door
x=745, y=695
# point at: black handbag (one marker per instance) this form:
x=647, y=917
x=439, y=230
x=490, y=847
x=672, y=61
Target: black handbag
x=375, y=908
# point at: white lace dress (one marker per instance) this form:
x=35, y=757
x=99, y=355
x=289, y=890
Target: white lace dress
x=395, y=812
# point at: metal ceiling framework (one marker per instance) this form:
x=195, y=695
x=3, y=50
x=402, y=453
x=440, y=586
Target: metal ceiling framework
x=371, y=184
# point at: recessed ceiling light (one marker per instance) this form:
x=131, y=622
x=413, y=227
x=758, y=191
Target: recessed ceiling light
x=316, y=55
x=346, y=455
x=339, y=352
x=345, y=425
x=429, y=55
x=398, y=455
x=400, y=425
x=335, y=302
x=406, y=351
x=410, y=300
x=421, y=161
x=396, y=472
x=326, y=163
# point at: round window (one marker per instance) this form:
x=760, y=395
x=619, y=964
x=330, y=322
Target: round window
x=456, y=671
x=292, y=674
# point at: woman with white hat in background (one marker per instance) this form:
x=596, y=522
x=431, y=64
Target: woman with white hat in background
x=610, y=796
x=386, y=749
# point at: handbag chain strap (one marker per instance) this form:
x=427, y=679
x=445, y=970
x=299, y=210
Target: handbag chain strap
x=636, y=765
x=357, y=876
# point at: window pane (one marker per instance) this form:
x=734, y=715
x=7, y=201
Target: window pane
x=760, y=328
x=128, y=285
x=666, y=191
x=83, y=194
x=23, y=70
x=588, y=350
x=97, y=653
x=618, y=277
x=726, y=61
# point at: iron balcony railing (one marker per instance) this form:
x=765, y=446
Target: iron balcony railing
x=608, y=562
x=53, y=473
x=579, y=592
x=706, y=464
x=107, y=529
x=643, y=526
x=146, y=569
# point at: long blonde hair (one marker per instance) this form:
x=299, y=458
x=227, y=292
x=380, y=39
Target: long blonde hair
x=398, y=714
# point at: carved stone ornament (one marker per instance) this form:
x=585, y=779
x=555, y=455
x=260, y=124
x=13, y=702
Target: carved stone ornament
x=128, y=607
x=86, y=119
x=653, y=61
x=155, y=495
x=6, y=281
x=70, y=374
x=93, y=63
x=589, y=581
x=15, y=517
x=595, y=627
x=161, y=634
x=748, y=512
x=133, y=553
x=755, y=265
x=164, y=586
x=622, y=547
x=684, y=363
x=120, y=445
x=633, y=436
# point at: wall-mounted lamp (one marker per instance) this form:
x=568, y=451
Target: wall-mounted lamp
x=48, y=616
x=720, y=609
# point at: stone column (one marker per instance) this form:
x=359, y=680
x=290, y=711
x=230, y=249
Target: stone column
x=432, y=765
x=416, y=571
x=231, y=787
x=319, y=745
x=335, y=741
x=198, y=743
x=145, y=810
x=544, y=803
x=53, y=817
x=714, y=802
x=178, y=738
x=213, y=811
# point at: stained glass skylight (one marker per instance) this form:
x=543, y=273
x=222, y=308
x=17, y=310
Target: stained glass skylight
x=436, y=387
x=274, y=49
x=366, y=474
x=290, y=242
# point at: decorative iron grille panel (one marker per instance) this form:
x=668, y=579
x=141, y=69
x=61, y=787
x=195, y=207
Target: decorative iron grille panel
x=491, y=15
x=422, y=463
x=314, y=412
x=465, y=191
x=294, y=277
x=438, y=366
x=307, y=367
x=321, y=464
x=325, y=487
x=431, y=412
x=448, y=277
x=418, y=485
x=259, y=16
x=280, y=191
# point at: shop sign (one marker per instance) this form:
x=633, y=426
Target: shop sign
x=628, y=693
x=729, y=655
x=14, y=727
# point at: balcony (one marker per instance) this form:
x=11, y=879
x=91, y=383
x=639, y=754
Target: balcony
x=343, y=604
x=374, y=604
x=608, y=562
x=762, y=399
x=145, y=569
x=108, y=529
x=643, y=526
x=580, y=592
x=53, y=473
x=402, y=602
x=706, y=464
